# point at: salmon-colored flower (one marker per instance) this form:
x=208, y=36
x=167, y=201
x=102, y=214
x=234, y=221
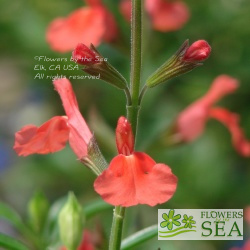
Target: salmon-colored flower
x=191, y=121
x=86, y=243
x=89, y=24
x=165, y=15
x=134, y=177
x=231, y=121
x=246, y=246
x=53, y=134
x=50, y=137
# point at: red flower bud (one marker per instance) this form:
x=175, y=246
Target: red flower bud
x=83, y=55
x=124, y=137
x=198, y=51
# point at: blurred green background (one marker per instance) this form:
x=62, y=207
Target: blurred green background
x=211, y=174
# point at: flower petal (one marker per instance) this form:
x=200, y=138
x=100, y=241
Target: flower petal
x=221, y=86
x=94, y=2
x=111, y=28
x=167, y=16
x=125, y=9
x=136, y=179
x=192, y=120
x=231, y=121
x=124, y=137
x=85, y=25
x=80, y=134
x=87, y=241
x=48, y=138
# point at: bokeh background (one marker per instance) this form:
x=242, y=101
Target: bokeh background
x=211, y=174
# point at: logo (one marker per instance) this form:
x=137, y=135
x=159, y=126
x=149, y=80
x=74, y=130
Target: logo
x=200, y=224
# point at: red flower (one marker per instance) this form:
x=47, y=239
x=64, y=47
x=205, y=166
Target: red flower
x=90, y=24
x=53, y=134
x=191, y=122
x=133, y=177
x=165, y=15
x=231, y=121
x=198, y=51
x=86, y=244
x=50, y=137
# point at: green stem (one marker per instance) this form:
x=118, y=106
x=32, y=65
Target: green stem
x=136, y=58
x=132, y=107
x=143, y=91
x=128, y=96
x=116, y=231
x=139, y=237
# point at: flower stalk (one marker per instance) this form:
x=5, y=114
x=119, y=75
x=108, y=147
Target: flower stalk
x=132, y=110
x=136, y=58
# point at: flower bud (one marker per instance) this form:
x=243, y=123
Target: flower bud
x=184, y=60
x=96, y=65
x=38, y=208
x=198, y=51
x=71, y=223
x=124, y=137
x=83, y=55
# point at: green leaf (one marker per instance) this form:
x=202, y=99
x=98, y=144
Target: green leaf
x=10, y=243
x=38, y=208
x=139, y=237
x=12, y=216
x=95, y=207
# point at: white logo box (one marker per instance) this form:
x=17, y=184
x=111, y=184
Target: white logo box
x=200, y=224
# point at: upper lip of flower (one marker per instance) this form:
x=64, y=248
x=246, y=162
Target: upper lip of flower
x=31, y=139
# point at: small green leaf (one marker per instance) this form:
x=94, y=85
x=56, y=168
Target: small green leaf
x=10, y=243
x=38, y=208
x=12, y=216
x=139, y=237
